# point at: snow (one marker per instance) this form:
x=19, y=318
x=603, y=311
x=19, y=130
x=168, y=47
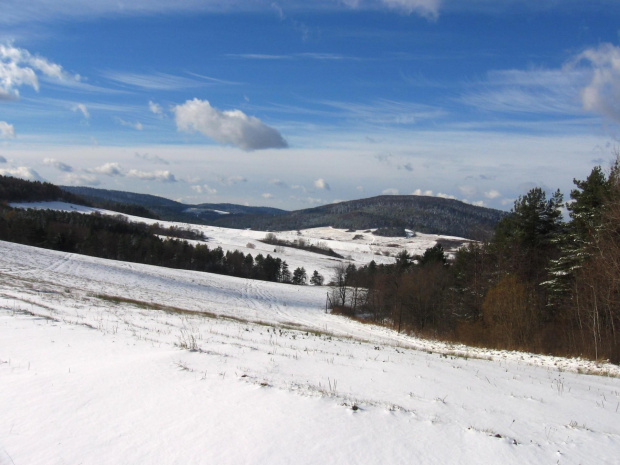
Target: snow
x=105, y=362
x=357, y=251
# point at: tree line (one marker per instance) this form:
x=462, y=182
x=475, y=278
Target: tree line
x=115, y=238
x=540, y=284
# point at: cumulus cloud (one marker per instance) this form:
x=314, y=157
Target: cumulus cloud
x=75, y=179
x=446, y=196
x=156, y=108
x=321, y=184
x=390, y=191
x=18, y=67
x=159, y=176
x=227, y=127
x=267, y=196
x=602, y=94
x=7, y=131
x=421, y=192
x=109, y=169
x=82, y=109
x=22, y=172
x=203, y=189
x=60, y=166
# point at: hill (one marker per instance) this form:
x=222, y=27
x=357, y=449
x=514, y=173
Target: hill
x=171, y=210
x=391, y=213
x=431, y=215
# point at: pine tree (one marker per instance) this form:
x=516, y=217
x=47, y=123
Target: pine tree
x=586, y=212
x=317, y=279
x=299, y=276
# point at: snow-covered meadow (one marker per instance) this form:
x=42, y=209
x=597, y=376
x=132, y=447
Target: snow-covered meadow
x=105, y=362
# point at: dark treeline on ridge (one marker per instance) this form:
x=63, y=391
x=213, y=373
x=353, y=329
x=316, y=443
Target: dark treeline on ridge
x=541, y=284
x=117, y=239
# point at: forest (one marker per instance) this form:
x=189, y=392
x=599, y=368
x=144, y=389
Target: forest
x=115, y=238
x=541, y=284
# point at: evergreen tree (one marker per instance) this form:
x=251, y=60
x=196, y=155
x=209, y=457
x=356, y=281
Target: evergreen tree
x=585, y=212
x=299, y=276
x=317, y=279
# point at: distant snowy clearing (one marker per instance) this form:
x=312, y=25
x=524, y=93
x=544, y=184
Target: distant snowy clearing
x=107, y=362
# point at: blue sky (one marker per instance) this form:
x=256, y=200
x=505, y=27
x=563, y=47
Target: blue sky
x=293, y=104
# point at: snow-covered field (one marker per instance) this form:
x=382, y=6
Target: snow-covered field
x=358, y=251
x=106, y=362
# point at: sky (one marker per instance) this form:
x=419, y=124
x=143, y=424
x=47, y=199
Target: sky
x=294, y=104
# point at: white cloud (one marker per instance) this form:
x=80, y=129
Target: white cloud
x=18, y=67
x=204, y=189
x=478, y=203
x=109, y=169
x=267, y=196
x=7, y=131
x=137, y=125
x=60, y=166
x=76, y=179
x=227, y=127
x=156, y=108
x=82, y=109
x=160, y=176
x=492, y=194
x=390, y=191
x=602, y=94
x=22, y=172
x=321, y=184
x=532, y=91
x=420, y=192
x=446, y=196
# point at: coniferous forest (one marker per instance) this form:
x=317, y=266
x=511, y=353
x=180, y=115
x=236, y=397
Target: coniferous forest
x=542, y=284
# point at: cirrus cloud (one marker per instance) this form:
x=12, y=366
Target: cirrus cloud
x=227, y=127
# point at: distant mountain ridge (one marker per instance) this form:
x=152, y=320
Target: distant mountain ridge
x=171, y=210
x=419, y=213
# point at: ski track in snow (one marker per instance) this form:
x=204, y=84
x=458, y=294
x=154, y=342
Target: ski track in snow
x=95, y=368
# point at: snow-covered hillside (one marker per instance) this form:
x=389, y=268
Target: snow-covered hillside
x=106, y=362
x=359, y=247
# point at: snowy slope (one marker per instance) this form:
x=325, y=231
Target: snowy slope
x=96, y=368
x=357, y=251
